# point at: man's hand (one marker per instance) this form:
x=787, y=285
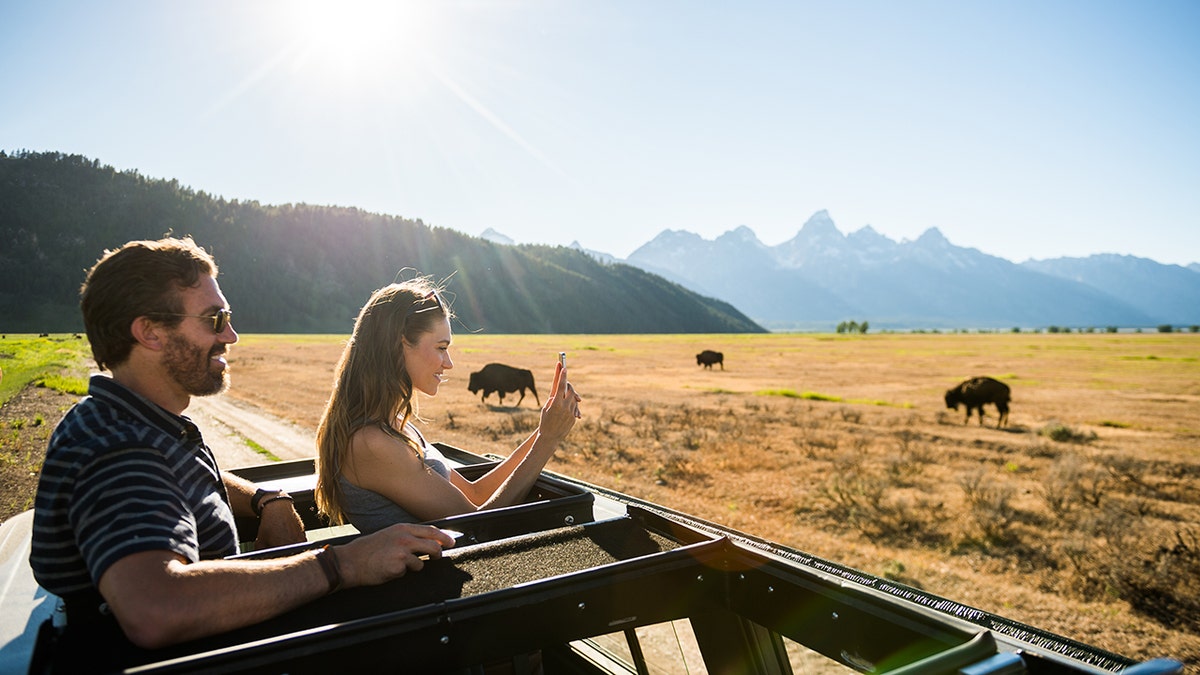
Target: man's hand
x=389, y=553
x=280, y=525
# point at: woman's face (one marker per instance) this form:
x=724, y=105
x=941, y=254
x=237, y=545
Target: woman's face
x=426, y=360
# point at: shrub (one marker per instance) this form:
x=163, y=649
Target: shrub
x=678, y=465
x=1070, y=482
x=1164, y=584
x=850, y=415
x=990, y=504
x=1057, y=431
x=855, y=499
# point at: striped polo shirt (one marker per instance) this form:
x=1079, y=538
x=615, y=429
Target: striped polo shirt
x=121, y=476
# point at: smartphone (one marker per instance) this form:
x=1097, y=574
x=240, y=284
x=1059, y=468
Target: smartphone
x=562, y=359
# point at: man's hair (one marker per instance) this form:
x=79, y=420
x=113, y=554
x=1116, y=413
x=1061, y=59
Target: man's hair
x=137, y=279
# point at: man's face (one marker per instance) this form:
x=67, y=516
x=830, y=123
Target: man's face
x=194, y=356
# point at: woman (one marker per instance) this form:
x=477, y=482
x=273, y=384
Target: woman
x=374, y=468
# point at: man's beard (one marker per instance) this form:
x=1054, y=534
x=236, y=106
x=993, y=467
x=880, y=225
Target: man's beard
x=192, y=367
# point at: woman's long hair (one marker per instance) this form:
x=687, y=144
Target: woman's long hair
x=371, y=384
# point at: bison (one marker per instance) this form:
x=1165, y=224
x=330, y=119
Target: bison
x=708, y=357
x=503, y=380
x=977, y=391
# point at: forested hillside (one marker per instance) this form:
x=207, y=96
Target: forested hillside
x=300, y=268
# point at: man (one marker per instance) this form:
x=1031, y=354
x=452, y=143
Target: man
x=132, y=517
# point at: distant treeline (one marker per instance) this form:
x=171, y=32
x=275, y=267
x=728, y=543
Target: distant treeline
x=307, y=269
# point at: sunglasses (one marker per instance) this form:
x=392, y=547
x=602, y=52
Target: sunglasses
x=219, y=320
x=430, y=301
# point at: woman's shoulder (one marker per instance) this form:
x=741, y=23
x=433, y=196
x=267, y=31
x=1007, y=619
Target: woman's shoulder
x=370, y=434
x=374, y=440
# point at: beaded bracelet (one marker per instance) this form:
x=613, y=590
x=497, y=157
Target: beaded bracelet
x=276, y=498
x=329, y=566
x=257, y=503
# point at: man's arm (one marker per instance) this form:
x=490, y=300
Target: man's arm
x=279, y=524
x=159, y=599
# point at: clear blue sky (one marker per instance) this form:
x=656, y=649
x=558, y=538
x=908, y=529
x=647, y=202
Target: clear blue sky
x=1026, y=129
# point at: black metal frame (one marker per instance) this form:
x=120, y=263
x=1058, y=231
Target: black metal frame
x=739, y=602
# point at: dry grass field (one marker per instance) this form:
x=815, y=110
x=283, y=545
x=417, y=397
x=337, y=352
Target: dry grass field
x=1081, y=517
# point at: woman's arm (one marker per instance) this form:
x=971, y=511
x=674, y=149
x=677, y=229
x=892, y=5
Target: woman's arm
x=379, y=462
x=483, y=490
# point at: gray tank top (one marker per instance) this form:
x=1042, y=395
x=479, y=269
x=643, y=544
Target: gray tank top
x=369, y=511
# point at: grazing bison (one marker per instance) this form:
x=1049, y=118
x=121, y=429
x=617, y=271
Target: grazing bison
x=503, y=380
x=977, y=391
x=708, y=357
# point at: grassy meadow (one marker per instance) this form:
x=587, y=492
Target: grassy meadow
x=45, y=361
x=55, y=367
x=1079, y=517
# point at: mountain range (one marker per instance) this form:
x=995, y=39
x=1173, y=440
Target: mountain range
x=822, y=277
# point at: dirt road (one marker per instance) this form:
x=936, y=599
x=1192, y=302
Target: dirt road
x=227, y=425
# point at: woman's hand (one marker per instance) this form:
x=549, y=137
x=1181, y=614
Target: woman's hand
x=561, y=409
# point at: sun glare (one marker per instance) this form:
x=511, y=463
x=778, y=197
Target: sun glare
x=355, y=40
